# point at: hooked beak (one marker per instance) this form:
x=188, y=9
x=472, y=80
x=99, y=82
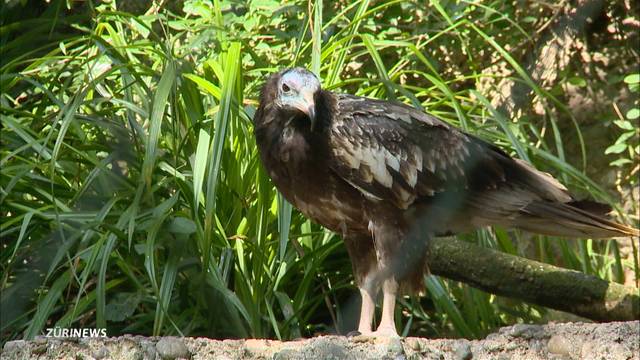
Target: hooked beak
x=311, y=112
x=308, y=106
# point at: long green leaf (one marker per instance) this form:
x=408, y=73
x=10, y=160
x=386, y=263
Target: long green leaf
x=157, y=115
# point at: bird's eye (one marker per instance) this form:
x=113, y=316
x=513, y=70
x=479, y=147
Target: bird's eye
x=285, y=88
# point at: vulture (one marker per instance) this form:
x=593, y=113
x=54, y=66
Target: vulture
x=388, y=177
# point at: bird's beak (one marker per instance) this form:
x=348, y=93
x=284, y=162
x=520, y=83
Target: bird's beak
x=308, y=106
x=311, y=112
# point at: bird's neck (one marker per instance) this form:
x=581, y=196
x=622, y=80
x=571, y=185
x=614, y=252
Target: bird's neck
x=326, y=105
x=286, y=138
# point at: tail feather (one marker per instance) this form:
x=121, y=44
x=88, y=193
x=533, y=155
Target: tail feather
x=572, y=219
x=592, y=207
x=535, y=201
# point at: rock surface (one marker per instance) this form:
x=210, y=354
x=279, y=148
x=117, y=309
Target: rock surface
x=619, y=340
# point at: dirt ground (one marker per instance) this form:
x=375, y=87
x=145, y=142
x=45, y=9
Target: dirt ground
x=618, y=340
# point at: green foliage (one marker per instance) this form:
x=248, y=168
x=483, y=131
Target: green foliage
x=133, y=197
x=627, y=144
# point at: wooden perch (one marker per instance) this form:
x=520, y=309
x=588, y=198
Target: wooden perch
x=532, y=281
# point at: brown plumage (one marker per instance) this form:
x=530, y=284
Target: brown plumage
x=387, y=176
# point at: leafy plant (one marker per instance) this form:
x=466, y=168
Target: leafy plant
x=626, y=145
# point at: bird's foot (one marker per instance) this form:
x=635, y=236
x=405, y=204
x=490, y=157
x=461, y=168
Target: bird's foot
x=361, y=336
x=385, y=332
x=381, y=335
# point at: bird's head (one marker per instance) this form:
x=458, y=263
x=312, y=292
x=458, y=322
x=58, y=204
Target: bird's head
x=297, y=89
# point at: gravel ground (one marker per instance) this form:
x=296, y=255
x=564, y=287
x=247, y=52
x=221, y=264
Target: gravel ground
x=618, y=340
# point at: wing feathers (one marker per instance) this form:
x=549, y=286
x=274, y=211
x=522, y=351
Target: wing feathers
x=395, y=152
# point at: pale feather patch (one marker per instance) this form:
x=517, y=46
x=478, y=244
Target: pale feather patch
x=410, y=175
x=364, y=192
x=430, y=163
x=391, y=160
x=375, y=160
x=399, y=116
x=417, y=156
x=366, y=174
x=348, y=157
x=412, y=166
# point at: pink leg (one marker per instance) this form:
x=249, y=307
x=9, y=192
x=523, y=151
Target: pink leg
x=366, y=312
x=387, y=325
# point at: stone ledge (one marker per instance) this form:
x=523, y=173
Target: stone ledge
x=617, y=340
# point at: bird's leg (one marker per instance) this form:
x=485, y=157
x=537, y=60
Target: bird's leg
x=385, y=236
x=363, y=257
x=366, y=310
x=387, y=325
x=368, y=293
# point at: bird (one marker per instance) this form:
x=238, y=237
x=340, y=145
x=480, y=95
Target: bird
x=388, y=177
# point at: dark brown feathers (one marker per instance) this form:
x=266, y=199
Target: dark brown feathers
x=376, y=162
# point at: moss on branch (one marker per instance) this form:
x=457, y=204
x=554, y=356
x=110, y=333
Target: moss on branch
x=533, y=281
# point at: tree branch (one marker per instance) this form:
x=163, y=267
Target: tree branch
x=532, y=281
